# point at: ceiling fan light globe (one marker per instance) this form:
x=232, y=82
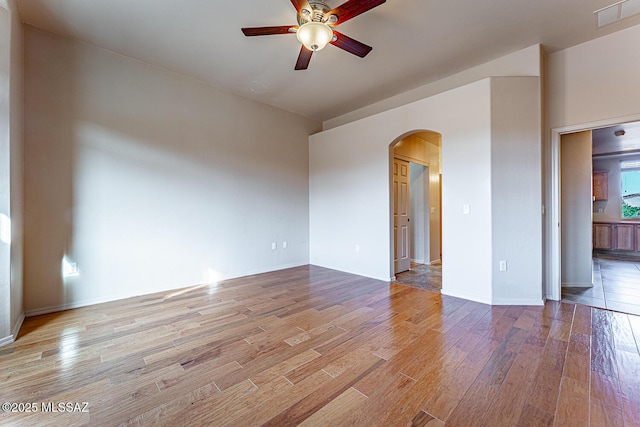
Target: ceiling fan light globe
x=314, y=35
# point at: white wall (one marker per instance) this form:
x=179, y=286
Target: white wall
x=466, y=181
x=593, y=84
x=419, y=180
x=525, y=62
x=149, y=180
x=11, y=195
x=594, y=81
x=350, y=191
x=576, y=223
x=349, y=180
x=516, y=189
x=5, y=171
x=17, y=194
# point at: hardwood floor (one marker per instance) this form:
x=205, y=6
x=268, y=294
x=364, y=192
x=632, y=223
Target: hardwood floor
x=315, y=347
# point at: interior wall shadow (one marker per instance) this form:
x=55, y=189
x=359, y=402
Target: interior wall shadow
x=148, y=181
x=49, y=152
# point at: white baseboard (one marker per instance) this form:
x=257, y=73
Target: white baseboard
x=109, y=298
x=6, y=340
x=549, y=297
x=578, y=285
x=435, y=262
x=357, y=273
x=17, y=326
x=469, y=297
x=417, y=261
x=519, y=301
x=77, y=304
x=498, y=301
x=14, y=332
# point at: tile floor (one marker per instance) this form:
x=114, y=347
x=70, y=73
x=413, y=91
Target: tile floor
x=616, y=286
x=423, y=276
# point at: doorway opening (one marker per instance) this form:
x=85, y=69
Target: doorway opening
x=597, y=257
x=415, y=209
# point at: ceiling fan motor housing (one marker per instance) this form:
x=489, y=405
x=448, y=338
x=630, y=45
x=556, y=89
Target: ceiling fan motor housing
x=318, y=13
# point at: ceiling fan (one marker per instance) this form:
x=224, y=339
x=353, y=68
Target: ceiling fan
x=315, y=27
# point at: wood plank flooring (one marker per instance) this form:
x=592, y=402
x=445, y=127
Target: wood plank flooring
x=315, y=347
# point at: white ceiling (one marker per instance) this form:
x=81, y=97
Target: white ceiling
x=414, y=42
x=627, y=142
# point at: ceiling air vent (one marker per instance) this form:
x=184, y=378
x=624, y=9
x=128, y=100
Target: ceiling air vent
x=617, y=11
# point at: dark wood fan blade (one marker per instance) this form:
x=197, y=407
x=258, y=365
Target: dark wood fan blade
x=353, y=8
x=350, y=45
x=301, y=4
x=268, y=31
x=303, y=58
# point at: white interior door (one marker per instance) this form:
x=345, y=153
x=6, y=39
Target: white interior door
x=401, y=209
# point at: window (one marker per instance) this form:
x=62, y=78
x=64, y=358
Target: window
x=630, y=177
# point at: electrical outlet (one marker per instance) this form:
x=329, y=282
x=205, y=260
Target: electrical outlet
x=284, y=245
x=357, y=248
x=503, y=265
x=274, y=246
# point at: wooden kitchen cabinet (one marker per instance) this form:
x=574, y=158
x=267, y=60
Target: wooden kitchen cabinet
x=602, y=236
x=600, y=185
x=624, y=237
x=616, y=236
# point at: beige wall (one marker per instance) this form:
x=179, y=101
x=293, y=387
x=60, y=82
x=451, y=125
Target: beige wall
x=576, y=181
x=594, y=81
x=149, y=180
x=524, y=62
x=5, y=169
x=516, y=189
x=350, y=168
x=11, y=196
x=17, y=194
x=592, y=84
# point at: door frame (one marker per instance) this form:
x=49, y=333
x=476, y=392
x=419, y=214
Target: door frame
x=390, y=157
x=553, y=226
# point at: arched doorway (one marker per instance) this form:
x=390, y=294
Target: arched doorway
x=415, y=178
